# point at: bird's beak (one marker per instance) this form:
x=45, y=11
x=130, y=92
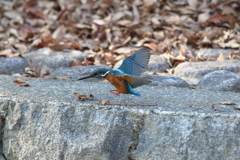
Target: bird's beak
x=90, y=76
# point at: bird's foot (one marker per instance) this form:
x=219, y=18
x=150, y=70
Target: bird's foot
x=114, y=92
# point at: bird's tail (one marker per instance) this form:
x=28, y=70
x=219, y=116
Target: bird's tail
x=135, y=92
x=131, y=90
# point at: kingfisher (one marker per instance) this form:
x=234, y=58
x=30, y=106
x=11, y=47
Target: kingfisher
x=127, y=76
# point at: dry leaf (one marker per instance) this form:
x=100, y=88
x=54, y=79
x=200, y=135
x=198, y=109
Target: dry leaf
x=83, y=96
x=30, y=3
x=104, y=102
x=6, y=94
x=174, y=61
x=222, y=57
x=9, y=53
x=193, y=87
x=36, y=13
x=218, y=17
x=75, y=62
x=21, y=83
x=193, y=3
x=170, y=71
x=100, y=27
x=55, y=46
x=59, y=33
x=213, y=107
x=237, y=108
x=237, y=72
x=227, y=102
x=91, y=96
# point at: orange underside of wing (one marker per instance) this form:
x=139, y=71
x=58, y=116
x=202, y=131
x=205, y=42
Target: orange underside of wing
x=119, y=82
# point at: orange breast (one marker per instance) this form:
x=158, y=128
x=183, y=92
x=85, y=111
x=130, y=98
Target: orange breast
x=118, y=83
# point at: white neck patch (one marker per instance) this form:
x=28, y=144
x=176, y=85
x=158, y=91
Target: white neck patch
x=105, y=74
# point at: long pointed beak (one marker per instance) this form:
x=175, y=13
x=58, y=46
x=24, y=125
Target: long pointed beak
x=86, y=77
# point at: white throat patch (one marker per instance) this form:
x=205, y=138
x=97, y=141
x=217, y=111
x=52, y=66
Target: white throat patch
x=105, y=74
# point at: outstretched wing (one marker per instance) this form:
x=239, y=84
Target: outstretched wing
x=134, y=64
x=135, y=81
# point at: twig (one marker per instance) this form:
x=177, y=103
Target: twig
x=107, y=102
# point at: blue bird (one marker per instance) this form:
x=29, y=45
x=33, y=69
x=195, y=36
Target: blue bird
x=126, y=77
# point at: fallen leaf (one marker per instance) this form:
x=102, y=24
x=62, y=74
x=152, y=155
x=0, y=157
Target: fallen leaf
x=75, y=62
x=198, y=104
x=175, y=61
x=217, y=18
x=227, y=102
x=11, y=14
x=203, y=17
x=193, y=87
x=91, y=96
x=117, y=16
x=59, y=33
x=237, y=72
x=170, y=71
x=237, y=108
x=222, y=57
x=30, y=3
x=9, y=53
x=21, y=83
x=99, y=22
x=55, y=46
x=21, y=48
x=36, y=13
x=83, y=96
x=104, y=102
x=6, y=94
x=213, y=107
x=193, y=3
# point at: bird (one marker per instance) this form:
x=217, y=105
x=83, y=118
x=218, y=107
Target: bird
x=127, y=76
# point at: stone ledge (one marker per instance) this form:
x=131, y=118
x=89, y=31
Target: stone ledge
x=46, y=121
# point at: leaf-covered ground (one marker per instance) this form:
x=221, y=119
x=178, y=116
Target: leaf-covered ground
x=100, y=27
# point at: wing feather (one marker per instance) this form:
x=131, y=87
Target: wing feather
x=134, y=64
x=135, y=81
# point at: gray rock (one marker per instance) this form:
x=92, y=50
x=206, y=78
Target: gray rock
x=192, y=137
x=213, y=52
x=156, y=64
x=45, y=121
x=12, y=65
x=53, y=59
x=75, y=72
x=71, y=133
x=221, y=80
x=168, y=81
x=2, y=157
x=192, y=72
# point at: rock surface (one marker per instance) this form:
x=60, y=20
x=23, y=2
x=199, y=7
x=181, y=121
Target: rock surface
x=168, y=81
x=12, y=65
x=221, y=80
x=192, y=72
x=157, y=64
x=45, y=57
x=75, y=72
x=45, y=121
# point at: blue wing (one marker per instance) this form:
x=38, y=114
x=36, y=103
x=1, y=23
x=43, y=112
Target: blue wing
x=134, y=64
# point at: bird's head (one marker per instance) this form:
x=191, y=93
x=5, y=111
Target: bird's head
x=97, y=73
